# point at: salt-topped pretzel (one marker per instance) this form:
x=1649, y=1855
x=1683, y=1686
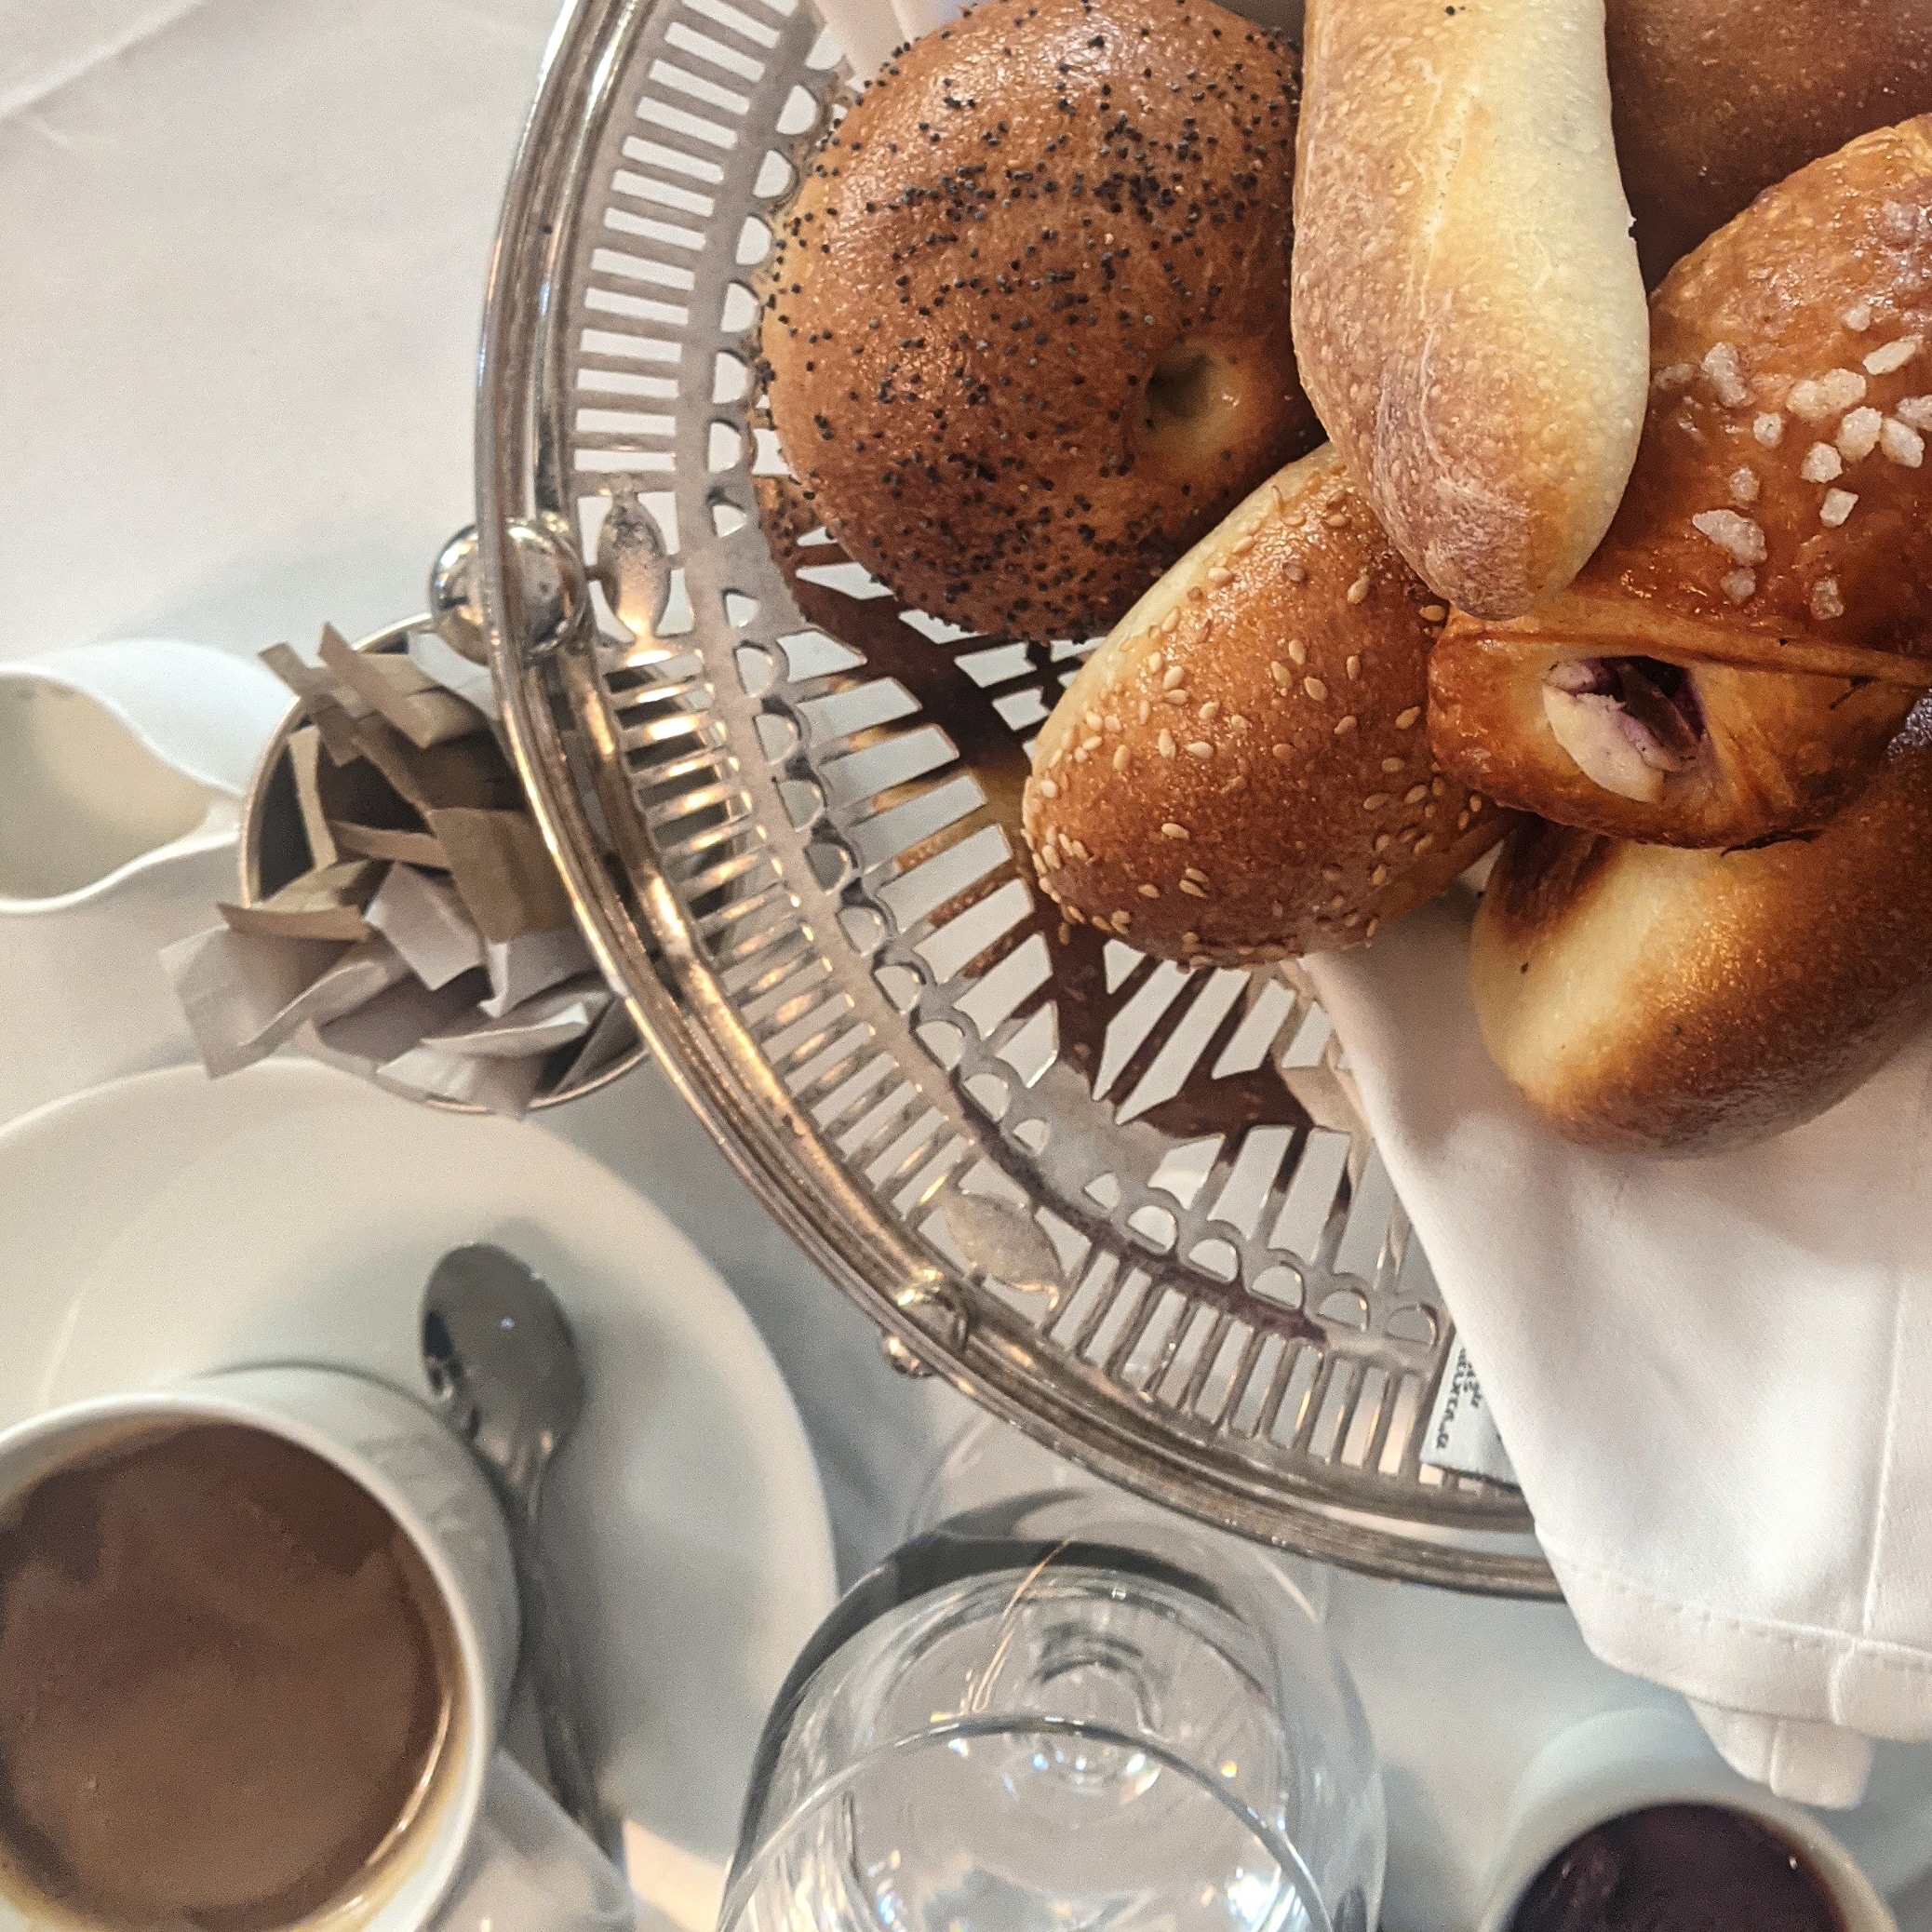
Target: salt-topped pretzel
x=1779, y=516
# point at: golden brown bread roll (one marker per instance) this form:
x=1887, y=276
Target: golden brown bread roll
x=1028, y=334
x=1717, y=99
x=1683, y=1002
x=1469, y=315
x=1780, y=513
x=1240, y=771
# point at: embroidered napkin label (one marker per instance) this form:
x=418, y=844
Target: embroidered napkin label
x=1462, y=1436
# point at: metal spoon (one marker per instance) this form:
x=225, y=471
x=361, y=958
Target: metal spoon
x=504, y=1368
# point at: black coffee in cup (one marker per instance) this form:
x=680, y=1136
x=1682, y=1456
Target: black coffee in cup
x=226, y=1683
x=1678, y=1868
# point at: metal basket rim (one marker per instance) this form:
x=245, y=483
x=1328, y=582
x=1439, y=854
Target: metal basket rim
x=648, y=954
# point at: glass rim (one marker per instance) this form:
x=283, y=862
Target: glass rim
x=1299, y=1882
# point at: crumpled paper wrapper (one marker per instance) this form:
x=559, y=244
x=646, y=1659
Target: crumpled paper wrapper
x=427, y=944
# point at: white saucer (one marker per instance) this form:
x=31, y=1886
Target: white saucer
x=165, y=1224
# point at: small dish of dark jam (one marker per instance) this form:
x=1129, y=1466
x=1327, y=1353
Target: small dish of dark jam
x=1679, y=1868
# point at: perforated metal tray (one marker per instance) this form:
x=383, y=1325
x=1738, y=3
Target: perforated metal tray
x=1132, y=1209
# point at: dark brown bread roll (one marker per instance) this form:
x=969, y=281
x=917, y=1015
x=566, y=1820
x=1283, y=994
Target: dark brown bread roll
x=1027, y=337
x=1241, y=771
x=1683, y=1002
x=1779, y=523
x=1717, y=99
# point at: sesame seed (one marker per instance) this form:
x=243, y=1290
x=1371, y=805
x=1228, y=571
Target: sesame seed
x=1164, y=744
x=1192, y=890
x=1217, y=574
x=1121, y=920
x=1113, y=723
x=1066, y=844
x=1353, y=666
x=1357, y=592
x=1337, y=519
x=1236, y=722
x=1901, y=445
x=1726, y=375
x=1344, y=726
x=1403, y=719
x=1857, y=435
x=1383, y=841
x=1825, y=600
x=1857, y=319
x=1170, y=621
x=1048, y=789
x=1768, y=428
x=1374, y=802
x=1916, y=410
x=1740, y=586
x=1170, y=830
x=1090, y=744
x=1340, y=900
x=1391, y=764
x=1414, y=794
x=1379, y=876
x=1674, y=375
x=1092, y=721
x=1293, y=572
x=1081, y=853
x=1893, y=355
x=1280, y=672
x=1475, y=801
x=1201, y=748
x=1180, y=695
x=1122, y=758
x=1150, y=892
x=1297, y=651
x=1822, y=463
x=1423, y=844
x=1242, y=545
x=1315, y=689
x=1434, y=614
x=1462, y=821
x=1333, y=874
x=1175, y=674
x=1369, y=931
x=1155, y=659
x=1145, y=710
x=1048, y=857
x=1210, y=711
x=1195, y=873
x=1836, y=507
x=1196, y=595
x=1744, y=485
x=1736, y=536
x=1284, y=752
x=1191, y=938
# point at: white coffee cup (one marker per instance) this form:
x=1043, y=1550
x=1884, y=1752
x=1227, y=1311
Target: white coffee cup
x=489, y=1851
x=1626, y=1761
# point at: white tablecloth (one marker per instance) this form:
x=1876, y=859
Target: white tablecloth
x=246, y=243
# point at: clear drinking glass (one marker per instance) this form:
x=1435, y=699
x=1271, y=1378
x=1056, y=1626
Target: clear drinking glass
x=1058, y=1711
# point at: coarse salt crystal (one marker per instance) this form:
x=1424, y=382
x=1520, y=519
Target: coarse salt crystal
x=1822, y=463
x=1836, y=507
x=1857, y=435
x=1825, y=600
x=1736, y=535
x=1768, y=427
x=1739, y=585
x=1883, y=360
x=1744, y=485
x=1857, y=319
x=1726, y=375
x=1901, y=445
x=1916, y=410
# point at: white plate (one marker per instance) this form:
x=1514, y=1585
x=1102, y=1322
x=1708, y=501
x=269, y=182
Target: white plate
x=165, y=1225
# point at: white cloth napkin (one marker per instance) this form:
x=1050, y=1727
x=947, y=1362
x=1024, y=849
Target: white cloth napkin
x=1713, y=1377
